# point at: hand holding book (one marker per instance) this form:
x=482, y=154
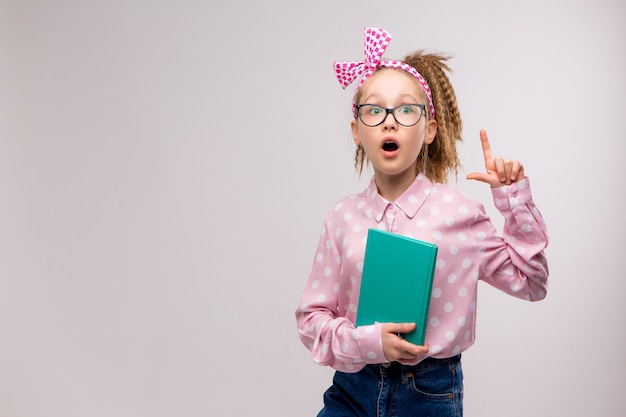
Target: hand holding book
x=395, y=347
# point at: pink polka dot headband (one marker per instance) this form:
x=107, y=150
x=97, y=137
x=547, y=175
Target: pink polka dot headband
x=376, y=42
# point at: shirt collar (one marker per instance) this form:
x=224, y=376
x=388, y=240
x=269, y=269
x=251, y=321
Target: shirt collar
x=409, y=201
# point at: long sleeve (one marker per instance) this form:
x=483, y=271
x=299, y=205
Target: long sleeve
x=515, y=263
x=326, y=314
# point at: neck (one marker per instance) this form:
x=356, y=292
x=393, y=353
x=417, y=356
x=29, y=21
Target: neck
x=392, y=187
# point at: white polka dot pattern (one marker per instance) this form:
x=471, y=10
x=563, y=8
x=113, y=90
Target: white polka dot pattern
x=469, y=250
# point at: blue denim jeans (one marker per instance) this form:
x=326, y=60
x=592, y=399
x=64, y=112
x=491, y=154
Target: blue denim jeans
x=433, y=387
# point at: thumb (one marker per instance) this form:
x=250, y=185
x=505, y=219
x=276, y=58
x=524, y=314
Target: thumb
x=479, y=176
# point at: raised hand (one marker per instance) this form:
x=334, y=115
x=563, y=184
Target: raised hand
x=500, y=171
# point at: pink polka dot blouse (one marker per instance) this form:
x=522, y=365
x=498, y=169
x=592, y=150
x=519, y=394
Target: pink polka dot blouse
x=470, y=250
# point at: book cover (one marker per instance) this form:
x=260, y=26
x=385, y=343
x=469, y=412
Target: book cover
x=397, y=280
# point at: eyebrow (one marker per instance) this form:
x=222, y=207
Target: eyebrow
x=401, y=96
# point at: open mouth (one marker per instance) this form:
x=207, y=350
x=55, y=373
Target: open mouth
x=390, y=146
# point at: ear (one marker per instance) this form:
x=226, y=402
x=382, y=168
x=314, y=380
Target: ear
x=431, y=131
x=355, y=133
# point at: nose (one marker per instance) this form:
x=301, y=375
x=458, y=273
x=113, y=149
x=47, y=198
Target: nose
x=390, y=121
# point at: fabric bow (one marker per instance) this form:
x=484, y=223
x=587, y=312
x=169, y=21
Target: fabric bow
x=376, y=41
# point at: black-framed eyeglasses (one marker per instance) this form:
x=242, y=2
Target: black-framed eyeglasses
x=405, y=115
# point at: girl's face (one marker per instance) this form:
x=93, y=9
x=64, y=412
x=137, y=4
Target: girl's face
x=391, y=147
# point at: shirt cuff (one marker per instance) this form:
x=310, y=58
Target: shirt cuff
x=370, y=343
x=508, y=197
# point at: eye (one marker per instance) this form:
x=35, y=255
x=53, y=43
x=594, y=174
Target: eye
x=375, y=110
x=405, y=109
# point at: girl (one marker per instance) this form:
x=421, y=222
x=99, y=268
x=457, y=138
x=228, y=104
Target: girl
x=406, y=124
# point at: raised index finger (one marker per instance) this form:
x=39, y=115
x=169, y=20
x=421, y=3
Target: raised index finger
x=486, y=146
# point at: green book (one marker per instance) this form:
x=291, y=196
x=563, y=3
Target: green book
x=397, y=282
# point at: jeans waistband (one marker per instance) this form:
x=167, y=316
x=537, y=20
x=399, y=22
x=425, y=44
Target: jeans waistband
x=397, y=367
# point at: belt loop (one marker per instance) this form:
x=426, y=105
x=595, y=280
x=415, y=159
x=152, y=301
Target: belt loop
x=404, y=372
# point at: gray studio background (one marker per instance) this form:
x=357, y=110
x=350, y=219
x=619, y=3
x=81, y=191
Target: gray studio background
x=165, y=167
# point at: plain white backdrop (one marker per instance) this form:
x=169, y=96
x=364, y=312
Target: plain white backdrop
x=165, y=167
